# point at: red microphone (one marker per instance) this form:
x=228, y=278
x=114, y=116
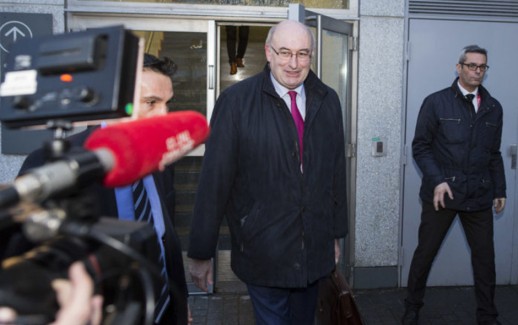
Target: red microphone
x=143, y=146
x=120, y=154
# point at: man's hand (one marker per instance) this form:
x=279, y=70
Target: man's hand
x=201, y=273
x=76, y=298
x=189, y=315
x=438, y=195
x=7, y=315
x=499, y=204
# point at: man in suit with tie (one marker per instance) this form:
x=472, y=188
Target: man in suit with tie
x=156, y=91
x=274, y=165
x=457, y=148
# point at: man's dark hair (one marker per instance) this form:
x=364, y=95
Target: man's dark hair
x=165, y=66
x=471, y=49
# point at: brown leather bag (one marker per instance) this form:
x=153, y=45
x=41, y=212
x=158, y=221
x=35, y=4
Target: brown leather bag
x=336, y=304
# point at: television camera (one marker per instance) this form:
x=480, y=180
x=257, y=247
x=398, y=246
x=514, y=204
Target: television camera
x=53, y=82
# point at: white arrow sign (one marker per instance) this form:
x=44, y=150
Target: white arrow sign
x=15, y=31
x=12, y=31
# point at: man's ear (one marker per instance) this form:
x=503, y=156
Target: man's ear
x=267, y=52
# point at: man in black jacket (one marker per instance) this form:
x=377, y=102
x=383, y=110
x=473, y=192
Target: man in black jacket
x=457, y=147
x=156, y=91
x=281, y=187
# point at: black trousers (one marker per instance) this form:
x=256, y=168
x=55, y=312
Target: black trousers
x=478, y=227
x=232, y=32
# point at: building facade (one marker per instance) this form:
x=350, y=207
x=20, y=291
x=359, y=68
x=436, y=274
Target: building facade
x=377, y=44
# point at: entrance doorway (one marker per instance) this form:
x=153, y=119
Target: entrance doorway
x=199, y=49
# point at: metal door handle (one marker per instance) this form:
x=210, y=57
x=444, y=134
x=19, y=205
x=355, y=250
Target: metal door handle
x=211, y=77
x=513, y=151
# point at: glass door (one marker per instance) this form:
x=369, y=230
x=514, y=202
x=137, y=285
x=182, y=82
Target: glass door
x=333, y=65
x=190, y=44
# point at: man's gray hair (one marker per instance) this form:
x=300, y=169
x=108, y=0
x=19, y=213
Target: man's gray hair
x=471, y=49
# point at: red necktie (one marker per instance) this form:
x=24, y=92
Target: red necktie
x=299, y=122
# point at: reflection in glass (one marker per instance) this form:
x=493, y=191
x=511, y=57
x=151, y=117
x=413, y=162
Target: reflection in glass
x=253, y=58
x=189, y=51
x=330, y=4
x=334, y=50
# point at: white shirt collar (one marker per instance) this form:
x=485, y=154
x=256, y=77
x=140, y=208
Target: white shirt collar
x=282, y=91
x=465, y=92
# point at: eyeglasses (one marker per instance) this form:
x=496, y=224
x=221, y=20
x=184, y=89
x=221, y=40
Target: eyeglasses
x=285, y=54
x=474, y=67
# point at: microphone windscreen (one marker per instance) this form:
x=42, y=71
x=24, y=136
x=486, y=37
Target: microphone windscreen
x=143, y=146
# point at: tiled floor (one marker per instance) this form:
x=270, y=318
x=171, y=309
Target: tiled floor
x=443, y=306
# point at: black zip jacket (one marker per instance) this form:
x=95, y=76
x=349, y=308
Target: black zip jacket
x=453, y=144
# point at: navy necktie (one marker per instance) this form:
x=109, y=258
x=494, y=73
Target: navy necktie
x=470, y=100
x=144, y=213
x=141, y=201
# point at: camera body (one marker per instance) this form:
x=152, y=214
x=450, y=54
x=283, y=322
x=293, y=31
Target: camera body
x=79, y=76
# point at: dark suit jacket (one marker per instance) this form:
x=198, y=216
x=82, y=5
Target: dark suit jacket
x=107, y=206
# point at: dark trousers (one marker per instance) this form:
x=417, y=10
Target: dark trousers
x=231, y=42
x=478, y=227
x=284, y=306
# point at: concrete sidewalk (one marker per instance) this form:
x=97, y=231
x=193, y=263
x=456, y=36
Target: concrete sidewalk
x=443, y=306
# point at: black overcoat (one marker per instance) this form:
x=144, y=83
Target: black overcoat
x=283, y=222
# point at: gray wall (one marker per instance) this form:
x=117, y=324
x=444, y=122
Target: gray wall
x=380, y=106
x=10, y=164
